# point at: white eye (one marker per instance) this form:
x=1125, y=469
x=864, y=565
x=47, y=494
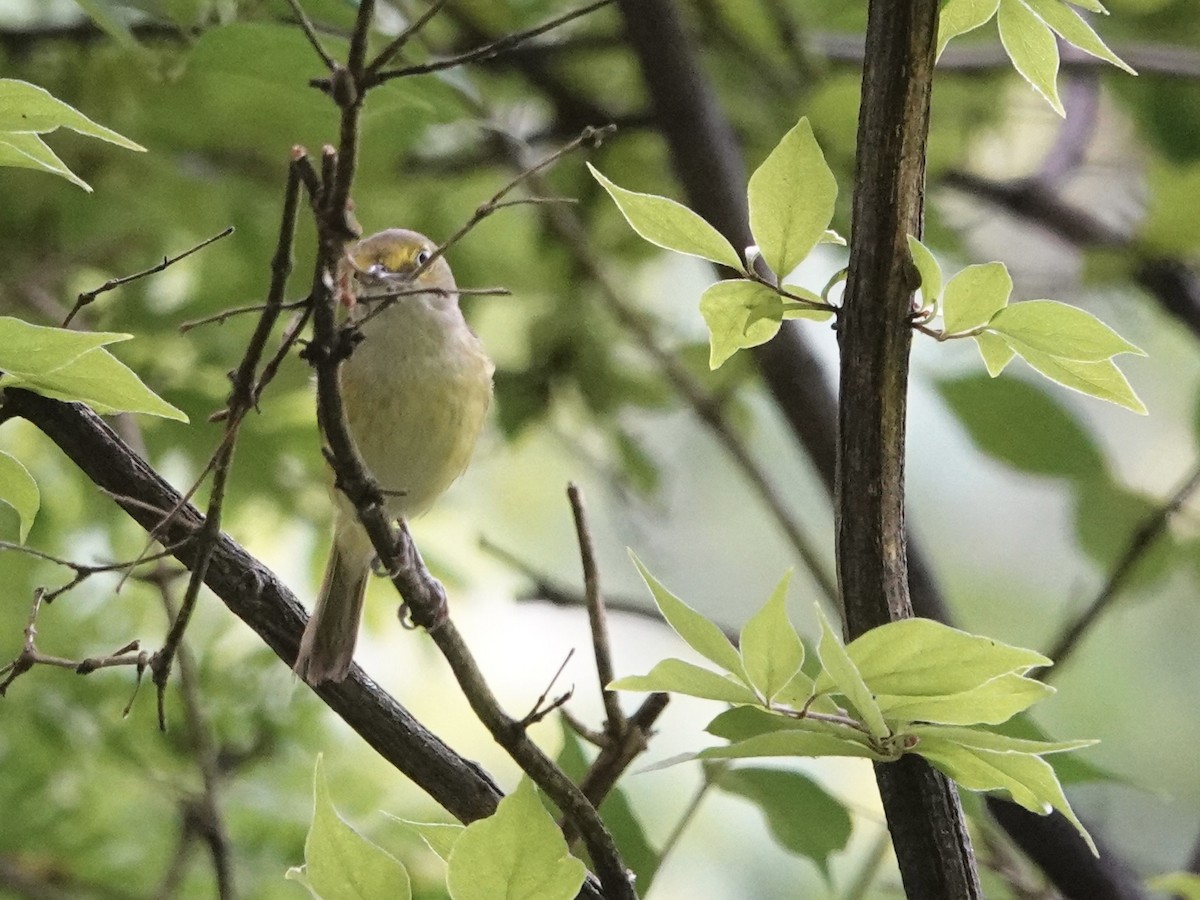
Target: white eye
x=378, y=269
x=423, y=256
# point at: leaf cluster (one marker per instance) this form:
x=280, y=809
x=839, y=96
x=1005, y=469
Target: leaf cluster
x=911, y=686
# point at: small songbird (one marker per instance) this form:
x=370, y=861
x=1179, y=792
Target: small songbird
x=415, y=390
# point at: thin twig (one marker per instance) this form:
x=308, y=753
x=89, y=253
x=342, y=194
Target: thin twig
x=615, y=724
x=242, y=397
x=225, y=314
x=310, y=32
x=1140, y=543
x=540, y=709
x=388, y=53
x=90, y=296
x=488, y=51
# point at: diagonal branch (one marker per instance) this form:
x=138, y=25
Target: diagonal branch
x=255, y=595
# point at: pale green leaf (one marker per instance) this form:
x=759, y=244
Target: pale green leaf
x=20, y=491
x=742, y=722
x=698, y=632
x=1027, y=778
x=1090, y=5
x=974, y=295
x=927, y=266
x=990, y=703
x=670, y=225
x=339, y=863
x=739, y=314
x=100, y=380
x=832, y=237
x=1097, y=379
x=960, y=16
x=1180, y=884
x=990, y=740
x=1031, y=46
x=23, y=150
x=996, y=352
x=1057, y=329
x=27, y=107
x=802, y=816
x=771, y=650
x=679, y=677
x=791, y=196
x=517, y=853
x=923, y=657
x=37, y=349
x=846, y=678
x=440, y=837
x=797, y=691
x=793, y=743
x=1071, y=27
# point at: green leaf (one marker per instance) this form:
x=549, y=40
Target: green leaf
x=112, y=25
x=26, y=107
x=1097, y=379
x=20, y=491
x=922, y=657
x=100, y=380
x=974, y=295
x=37, y=350
x=846, y=678
x=517, y=853
x=1074, y=30
x=1030, y=45
x=679, y=677
x=990, y=740
x=1090, y=5
x=794, y=310
x=795, y=742
x=960, y=16
x=1052, y=441
x=1057, y=329
x=832, y=237
x=792, y=196
x=742, y=722
x=927, y=266
x=339, y=863
x=1180, y=884
x=990, y=703
x=28, y=151
x=1027, y=778
x=739, y=314
x=802, y=816
x=698, y=632
x=996, y=352
x=670, y=225
x=771, y=650
x=440, y=837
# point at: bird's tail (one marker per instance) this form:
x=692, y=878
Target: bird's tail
x=327, y=648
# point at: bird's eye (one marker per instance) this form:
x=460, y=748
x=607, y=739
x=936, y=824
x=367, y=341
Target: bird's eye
x=423, y=256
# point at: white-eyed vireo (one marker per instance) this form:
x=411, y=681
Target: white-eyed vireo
x=415, y=391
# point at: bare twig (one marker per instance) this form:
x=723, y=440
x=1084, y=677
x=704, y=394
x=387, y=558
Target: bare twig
x=615, y=724
x=226, y=314
x=310, y=32
x=388, y=53
x=242, y=398
x=1140, y=543
x=90, y=296
x=541, y=708
x=488, y=51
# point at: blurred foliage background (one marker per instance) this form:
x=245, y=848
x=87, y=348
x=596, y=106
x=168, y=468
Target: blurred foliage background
x=1025, y=496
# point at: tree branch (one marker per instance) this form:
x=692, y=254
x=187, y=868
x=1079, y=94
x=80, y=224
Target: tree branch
x=254, y=594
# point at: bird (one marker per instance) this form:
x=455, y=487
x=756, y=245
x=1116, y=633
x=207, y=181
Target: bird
x=416, y=390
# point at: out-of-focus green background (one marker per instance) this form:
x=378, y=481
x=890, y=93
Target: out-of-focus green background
x=1022, y=494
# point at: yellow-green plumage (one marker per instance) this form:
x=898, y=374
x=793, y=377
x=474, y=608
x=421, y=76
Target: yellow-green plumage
x=415, y=390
